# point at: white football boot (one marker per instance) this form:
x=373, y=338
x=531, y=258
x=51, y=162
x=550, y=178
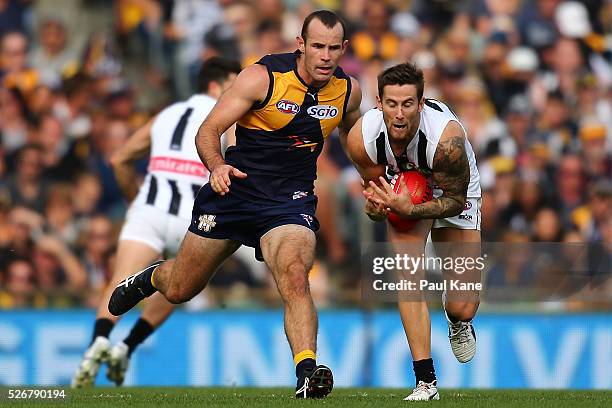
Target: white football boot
x=461, y=335
x=95, y=355
x=424, y=392
x=118, y=363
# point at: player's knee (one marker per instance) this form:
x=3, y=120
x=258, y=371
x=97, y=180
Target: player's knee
x=177, y=296
x=463, y=311
x=295, y=281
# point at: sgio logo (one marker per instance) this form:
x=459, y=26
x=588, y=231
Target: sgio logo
x=289, y=107
x=323, y=111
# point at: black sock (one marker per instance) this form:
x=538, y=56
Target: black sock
x=308, y=364
x=141, y=330
x=424, y=370
x=102, y=327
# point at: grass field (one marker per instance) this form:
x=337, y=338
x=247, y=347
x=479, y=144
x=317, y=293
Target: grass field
x=281, y=397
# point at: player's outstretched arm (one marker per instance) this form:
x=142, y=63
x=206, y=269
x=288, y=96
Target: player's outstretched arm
x=352, y=113
x=250, y=86
x=122, y=161
x=451, y=173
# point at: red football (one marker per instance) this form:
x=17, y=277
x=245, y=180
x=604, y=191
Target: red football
x=419, y=187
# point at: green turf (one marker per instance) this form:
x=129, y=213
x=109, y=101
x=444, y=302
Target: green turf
x=281, y=397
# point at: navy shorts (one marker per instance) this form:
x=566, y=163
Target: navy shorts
x=246, y=221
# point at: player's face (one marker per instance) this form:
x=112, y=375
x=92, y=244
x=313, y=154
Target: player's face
x=401, y=110
x=322, y=51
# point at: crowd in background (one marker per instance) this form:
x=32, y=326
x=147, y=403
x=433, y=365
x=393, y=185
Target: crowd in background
x=531, y=81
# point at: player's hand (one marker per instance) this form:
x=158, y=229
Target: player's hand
x=220, y=178
x=401, y=204
x=374, y=211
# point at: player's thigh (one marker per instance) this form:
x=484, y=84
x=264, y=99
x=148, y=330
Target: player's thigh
x=288, y=246
x=197, y=260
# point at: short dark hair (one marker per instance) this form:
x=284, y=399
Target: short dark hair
x=402, y=74
x=327, y=17
x=216, y=69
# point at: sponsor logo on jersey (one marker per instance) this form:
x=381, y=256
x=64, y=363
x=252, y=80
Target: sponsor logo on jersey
x=322, y=111
x=288, y=107
x=467, y=206
x=179, y=166
x=465, y=217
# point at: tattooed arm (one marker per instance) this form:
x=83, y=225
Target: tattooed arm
x=451, y=173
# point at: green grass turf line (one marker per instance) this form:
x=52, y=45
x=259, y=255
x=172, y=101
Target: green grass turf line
x=158, y=397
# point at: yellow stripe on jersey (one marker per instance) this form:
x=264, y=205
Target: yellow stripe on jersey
x=287, y=88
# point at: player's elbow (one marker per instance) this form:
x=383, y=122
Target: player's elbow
x=457, y=207
x=117, y=160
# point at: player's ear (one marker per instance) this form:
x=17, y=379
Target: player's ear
x=344, y=46
x=421, y=104
x=301, y=44
x=378, y=102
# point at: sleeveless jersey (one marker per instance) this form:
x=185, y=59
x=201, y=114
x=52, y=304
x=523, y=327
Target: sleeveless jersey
x=175, y=172
x=422, y=148
x=278, y=140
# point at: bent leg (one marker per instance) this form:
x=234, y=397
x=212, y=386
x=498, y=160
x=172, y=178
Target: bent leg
x=198, y=258
x=289, y=253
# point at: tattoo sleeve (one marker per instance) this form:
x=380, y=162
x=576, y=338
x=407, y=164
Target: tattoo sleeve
x=451, y=174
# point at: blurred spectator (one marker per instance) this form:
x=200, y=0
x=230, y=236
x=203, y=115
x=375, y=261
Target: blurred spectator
x=116, y=133
x=14, y=70
x=547, y=226
x=375, y=39
x=98, y=246
x=20, y=286
x=12, y=15
x=53, y=57
x=570, y=182
x=60, y=215
x=26, y=186
x=57, y=268
x=190, y=21
x=13, y=119
x=72, y=106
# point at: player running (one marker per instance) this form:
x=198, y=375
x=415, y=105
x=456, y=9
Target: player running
x=159, y=214
x=409, y=131
x=261, y=195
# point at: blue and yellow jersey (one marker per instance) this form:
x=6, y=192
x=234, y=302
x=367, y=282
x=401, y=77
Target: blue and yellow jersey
x=278, y=140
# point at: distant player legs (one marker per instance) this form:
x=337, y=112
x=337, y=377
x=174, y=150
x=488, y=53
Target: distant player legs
x=198, y=258
x=289, y=253
x=134, y=256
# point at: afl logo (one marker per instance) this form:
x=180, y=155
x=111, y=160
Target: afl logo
x=288, y=107
x=323, y=111
x=467, y=205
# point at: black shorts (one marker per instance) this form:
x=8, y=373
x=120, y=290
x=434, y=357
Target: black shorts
x=246, y=221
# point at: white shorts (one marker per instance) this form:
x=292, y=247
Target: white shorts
x=469, y=219
x=158, y=229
